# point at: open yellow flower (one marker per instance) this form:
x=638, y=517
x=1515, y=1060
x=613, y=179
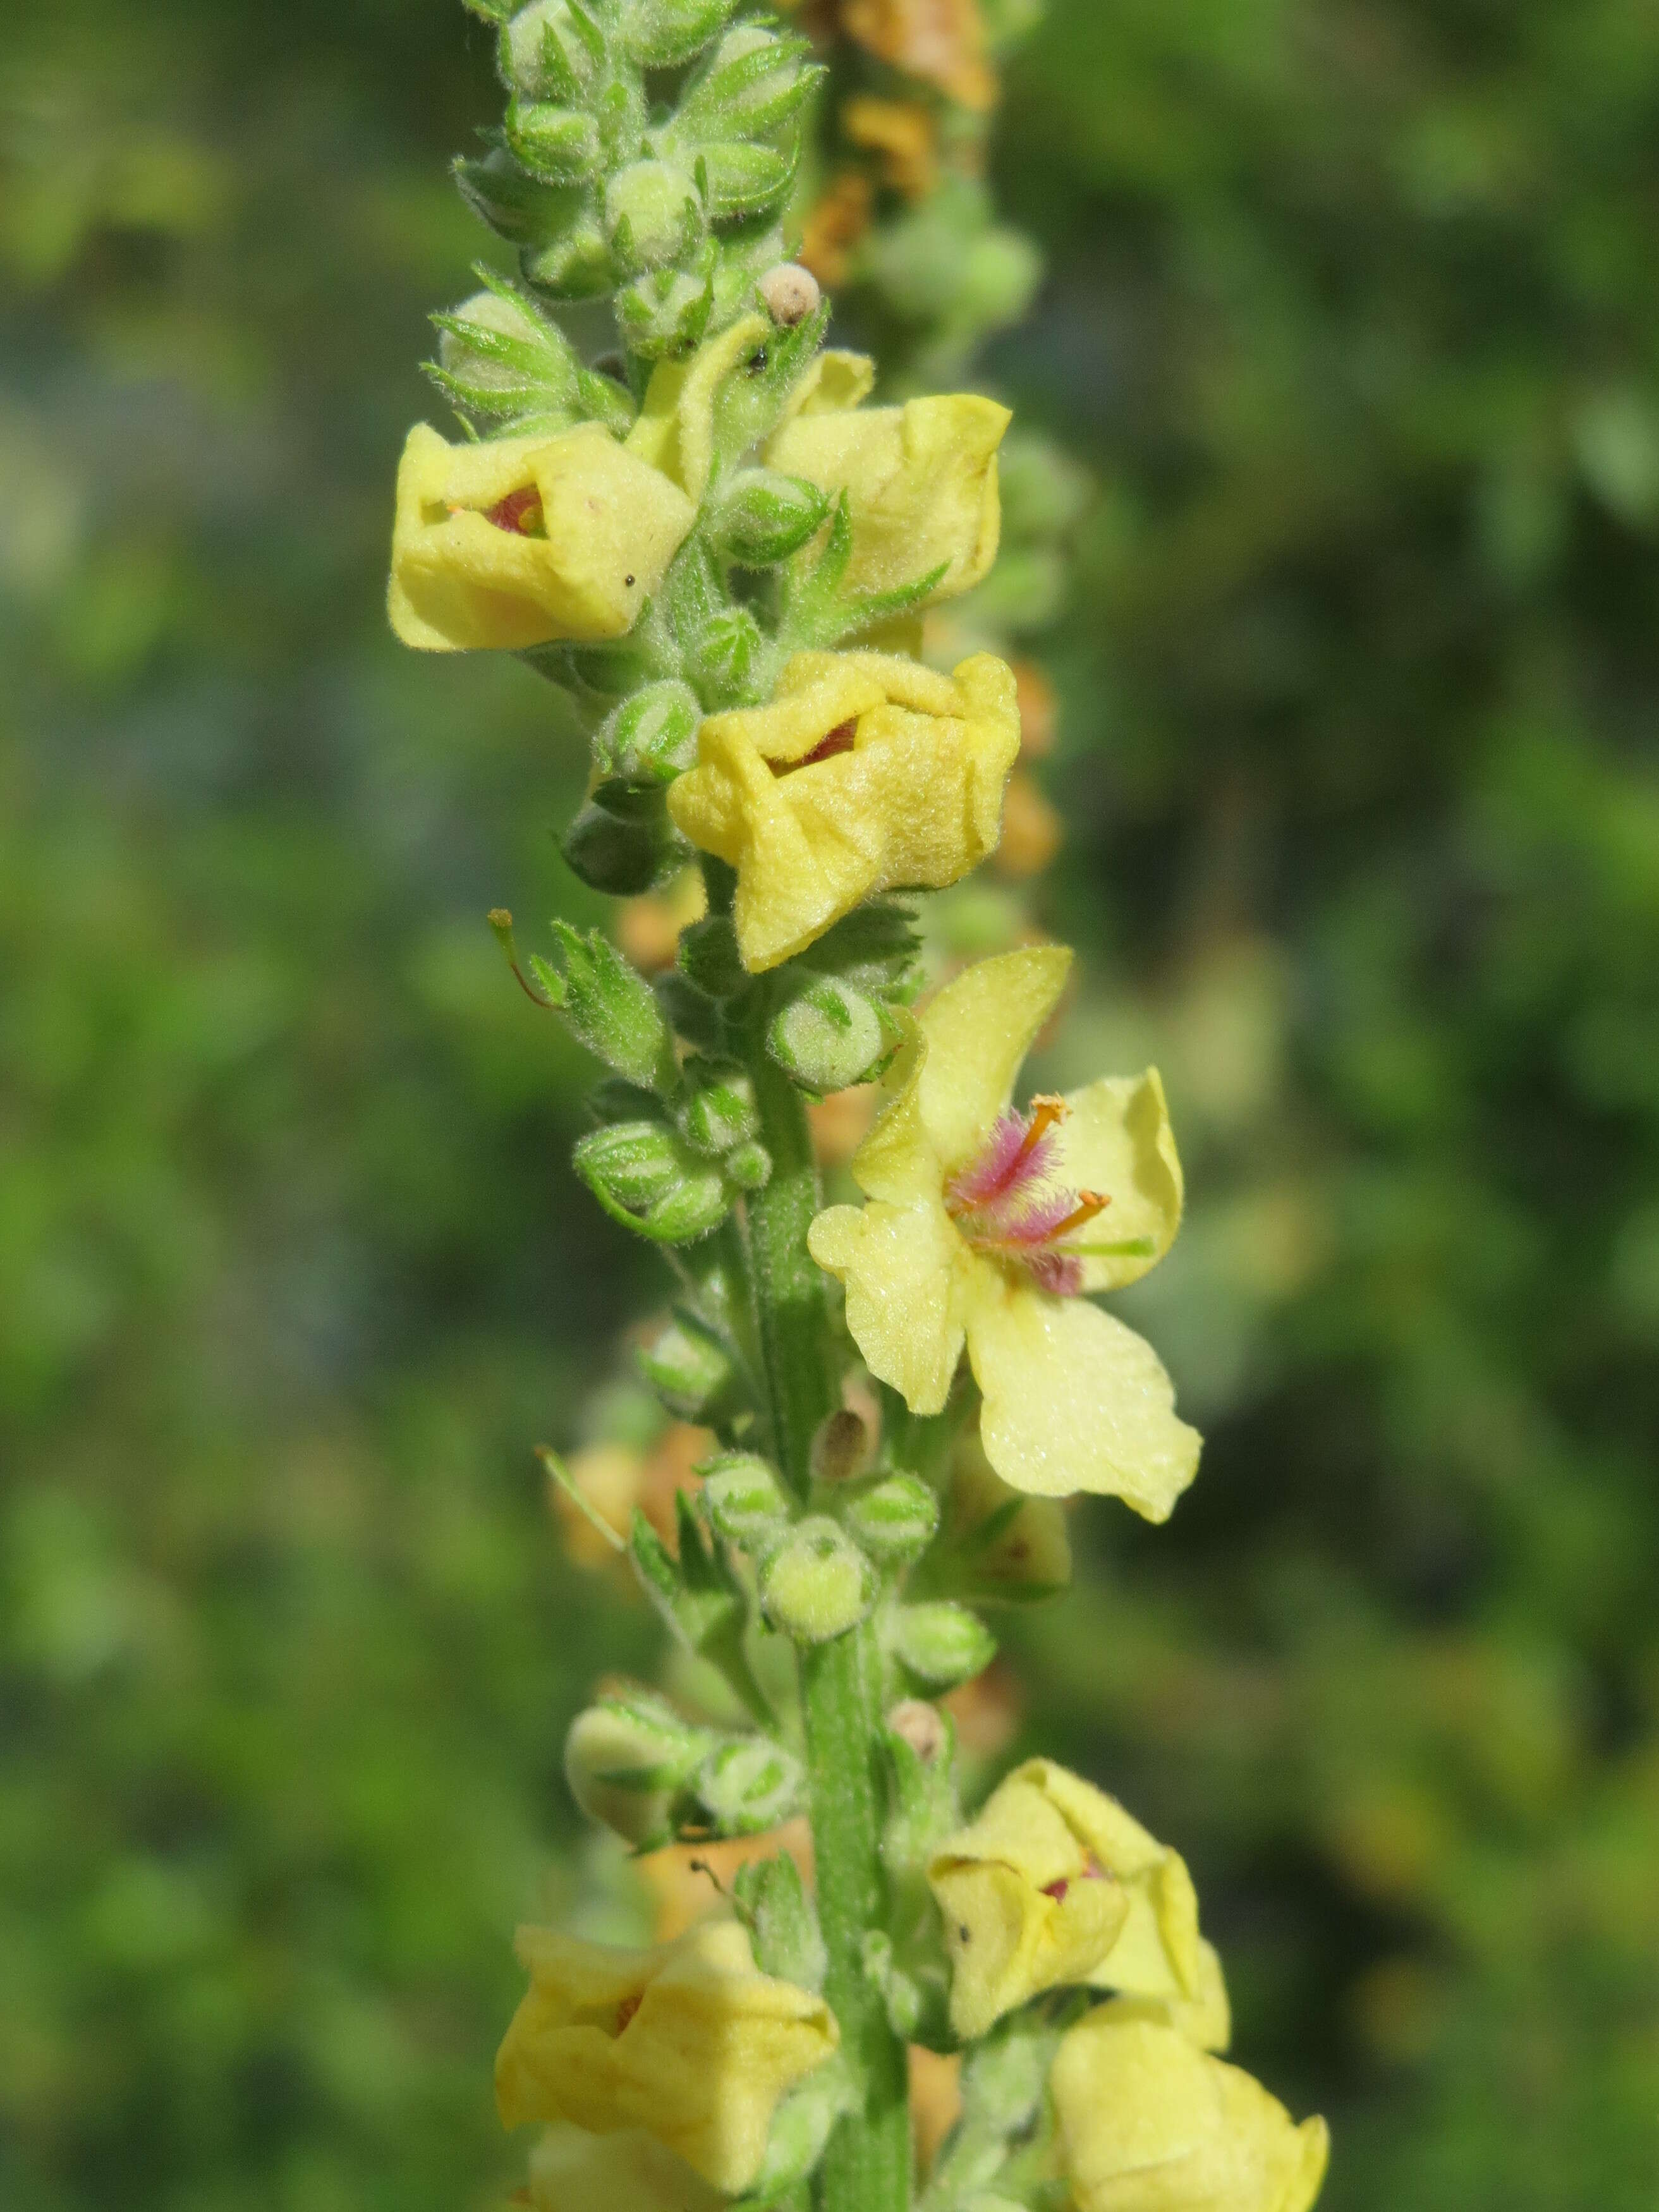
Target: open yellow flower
x=985, y=1226
x=515, y=542
x=1054, y=1883
x=690, y=2043
x=675, y=430
x=1149, y=2123
x=920, y=479
x=864, y=772
x=630, y=2172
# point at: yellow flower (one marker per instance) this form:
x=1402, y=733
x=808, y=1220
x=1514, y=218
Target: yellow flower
x=864, y=772
x=630, y=2172
x=1149, y=2123
x=920, y=479
x=984, y=1226
x=1054, y=1882
x=689, y=2041
x=516, y=542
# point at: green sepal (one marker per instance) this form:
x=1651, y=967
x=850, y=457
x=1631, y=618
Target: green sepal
x=737, y=180
x=830, y=1036
x=646, y=1176
x=710, y=960
x=748, y=1785
x=745, y=1499
x=622, y=842
x=661, y=34
x=763, y=516
x=557, y=145
x=892, y=1520
x=517, y=207
x=777, y=1908
x=610, y=1008
x=939, y=1644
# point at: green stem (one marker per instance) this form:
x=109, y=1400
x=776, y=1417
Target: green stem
x=866, y=2167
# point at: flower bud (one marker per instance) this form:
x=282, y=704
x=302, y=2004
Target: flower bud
x=652, y=216
x=574, y=265
x=763, y=517
x=841, y=1446
x=498, y=356
x=627, y=1760
x=664, y=311
x=645, y=1175
x=611, y=1009
x=662, y=33
x=721, y=1113
x=801, y=2128
x=754, y=80
x=829, y=1036
x=516, y=206
x=738, y=179
x=744, y=1497
x=546, y=53
x=724, y=652
x=687, y=1368
x=622, y=840
x=941, y=1644
x=791, y=294
x=749, y=1167
x=561, y=145
x=748, y=1786
x=651, y=737
x=817, y=1585
x=709, y=958
x=896, y=1520
x=921, y=1727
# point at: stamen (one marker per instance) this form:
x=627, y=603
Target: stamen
x=1006, y=1206
x=841, y=740
x=1088, y=1203
x=520, y=511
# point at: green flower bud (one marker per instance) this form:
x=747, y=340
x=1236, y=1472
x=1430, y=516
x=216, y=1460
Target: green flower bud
x=1001, y=277
x=499, y=357
x=896, y=1520
x=650, y=738
x=611, y=1009
x=547, y=53
x=941, y=1644
x=749, y=1167
x=574, y=265
x=664, y=32
x=788, y=1941
x=829, y=1036
x=688, y=1368
x=738, y=179
x=720, y=1112
x=817, y=1585
x=801, y=2128
x=723, y=654
x=709, y=958
x=559, y=144
x=753, y=82
x=645, y=1175
x=665, y=311
x=765, y=516
x=623, y=841
x=627, y=1760
x=748, y=1786
x=652, y=216
x=516, y=206
x=744, y=1497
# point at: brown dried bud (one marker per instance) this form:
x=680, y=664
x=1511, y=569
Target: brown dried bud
x=840, y=1447
x=791, y=294
x=921, y=1725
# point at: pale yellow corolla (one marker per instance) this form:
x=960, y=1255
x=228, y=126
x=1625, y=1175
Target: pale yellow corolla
x=988, y=1228
x=688, y=2043
x=1054, y=1883
x=1149, y=2123
x=864, y=772
x=516, y=542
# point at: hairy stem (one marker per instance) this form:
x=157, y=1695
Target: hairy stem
x=866, y=2167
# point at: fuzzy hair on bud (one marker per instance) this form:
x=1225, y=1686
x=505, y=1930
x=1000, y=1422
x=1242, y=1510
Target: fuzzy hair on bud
x=791, y=294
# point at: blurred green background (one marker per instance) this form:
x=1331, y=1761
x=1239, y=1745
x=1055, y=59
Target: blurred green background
x=1353, y=311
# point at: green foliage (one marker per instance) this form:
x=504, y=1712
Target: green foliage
x=1352, y=318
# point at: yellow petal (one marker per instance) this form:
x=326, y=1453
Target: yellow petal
x=897, y=1161
x=920, y=482
x=979, y=1029
x=571, y=2171
x=1008, y=1941
x=1117, y=1139
x=612, y=524
x=835, y=383
x=689, y=2042
x=916, y=800
x=674, y=431
x=1148, y=2122
x=899, y=1264
x=1073, y=1400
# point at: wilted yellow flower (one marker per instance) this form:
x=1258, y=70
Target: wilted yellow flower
x=902, y=133
x=689, y=2041
x=515, y=542
x=1149, y=2123
x=835, y=224
x=985, y=1226
x=630, y=2172
x=864, y=772
x=942, y=41
x=1054, y=1882
x=921, y=480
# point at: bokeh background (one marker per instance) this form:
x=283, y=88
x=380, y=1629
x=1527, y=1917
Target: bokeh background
x=1351, y=313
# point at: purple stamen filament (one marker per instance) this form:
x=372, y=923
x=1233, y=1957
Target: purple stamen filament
x=1006, y=1203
